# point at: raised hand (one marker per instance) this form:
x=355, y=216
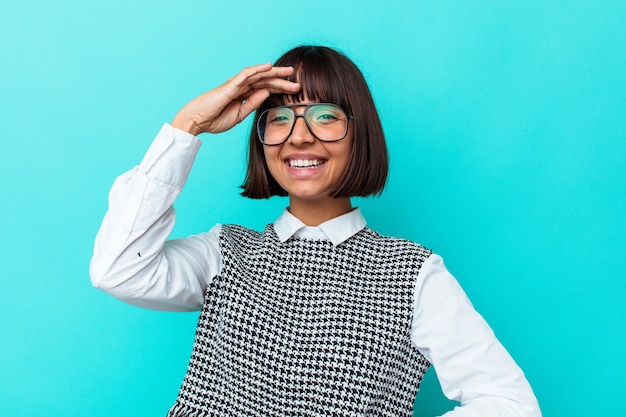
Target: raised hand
x=223, y=107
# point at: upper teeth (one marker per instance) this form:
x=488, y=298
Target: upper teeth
x=304, y=163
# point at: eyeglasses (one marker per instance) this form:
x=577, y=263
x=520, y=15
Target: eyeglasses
x=327, y=122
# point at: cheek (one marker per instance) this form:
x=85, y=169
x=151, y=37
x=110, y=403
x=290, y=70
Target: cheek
x=346, y=152
x=271, y=159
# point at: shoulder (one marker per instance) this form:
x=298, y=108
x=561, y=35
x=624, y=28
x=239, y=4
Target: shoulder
x=241, y=235
x=236, y=231
x=393, y=247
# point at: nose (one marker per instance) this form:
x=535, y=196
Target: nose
x=301, y=133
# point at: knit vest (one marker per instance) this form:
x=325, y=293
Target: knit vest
x=305, y=328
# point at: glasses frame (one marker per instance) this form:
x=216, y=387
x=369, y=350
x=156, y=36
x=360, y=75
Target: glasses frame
x=306, y=106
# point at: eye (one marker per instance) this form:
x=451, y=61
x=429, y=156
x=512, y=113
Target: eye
x=279, y=116
x=326, y=114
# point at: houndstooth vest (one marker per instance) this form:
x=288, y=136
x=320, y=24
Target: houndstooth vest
x=304, y=328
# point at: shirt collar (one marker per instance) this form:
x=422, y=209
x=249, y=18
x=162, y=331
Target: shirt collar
x=336, y=230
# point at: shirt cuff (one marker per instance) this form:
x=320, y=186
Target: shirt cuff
x=171, y=156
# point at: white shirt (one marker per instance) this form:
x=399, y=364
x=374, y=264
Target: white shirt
x=135, y=262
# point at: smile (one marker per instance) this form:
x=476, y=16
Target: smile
x=305, y=163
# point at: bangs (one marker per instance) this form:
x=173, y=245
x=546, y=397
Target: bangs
x=319, y=76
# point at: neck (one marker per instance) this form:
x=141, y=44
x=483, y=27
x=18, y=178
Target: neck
x=316, y=212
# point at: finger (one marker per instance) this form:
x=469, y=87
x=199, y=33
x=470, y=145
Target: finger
x=267, y=70
x=252, y=103
x=282, y=73
x=252, y=75
x=277, y=86
x=241, y=84
x=254, y=72
x=257, y=77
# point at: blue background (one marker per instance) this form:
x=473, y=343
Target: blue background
x=505, y=120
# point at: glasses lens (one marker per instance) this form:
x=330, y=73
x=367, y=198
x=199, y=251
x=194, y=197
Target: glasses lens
x=327, y=121
x=275, y=125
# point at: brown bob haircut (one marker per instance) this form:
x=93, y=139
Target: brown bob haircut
x=327, y=76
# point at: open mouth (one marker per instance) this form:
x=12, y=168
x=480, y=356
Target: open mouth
x=305, y=163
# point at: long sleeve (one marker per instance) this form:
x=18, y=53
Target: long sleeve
x=133, y=260
x=472, y=365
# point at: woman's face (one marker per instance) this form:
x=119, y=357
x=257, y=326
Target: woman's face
x=305, y=167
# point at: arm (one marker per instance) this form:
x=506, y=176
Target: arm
x=471, y=364
x=132, y=258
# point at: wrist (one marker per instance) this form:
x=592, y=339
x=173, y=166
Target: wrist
x=186, y=124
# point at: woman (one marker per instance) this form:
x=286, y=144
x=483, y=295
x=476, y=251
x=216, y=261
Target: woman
x=318, y=314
